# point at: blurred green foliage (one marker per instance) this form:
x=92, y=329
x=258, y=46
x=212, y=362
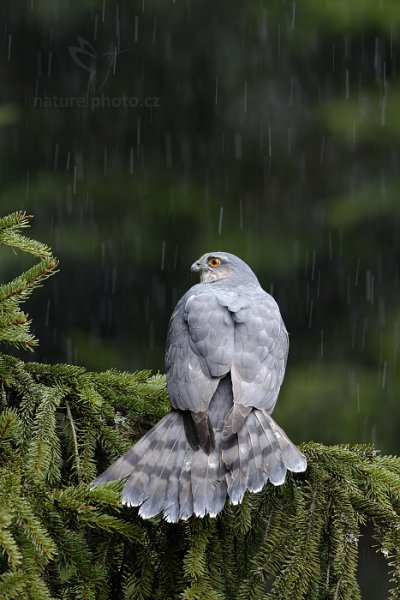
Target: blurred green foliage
x=9, y=114
x=371, y=119
x=355, y=16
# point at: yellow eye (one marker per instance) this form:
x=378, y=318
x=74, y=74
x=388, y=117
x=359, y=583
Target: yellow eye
x=214, y=262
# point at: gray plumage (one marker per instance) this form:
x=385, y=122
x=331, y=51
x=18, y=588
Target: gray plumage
x=226, y=356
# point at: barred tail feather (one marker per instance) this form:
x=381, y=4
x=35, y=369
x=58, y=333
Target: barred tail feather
x=142, y=484
x=185, y=495
x=156, y=492
x=220, y=492
x=293, y=459
x=261, y=451
x=235, y=452
x=273, y=456
x=208, y=471
x=258, y=474
x=128, y=462
x=172, y=512
x=209, y=489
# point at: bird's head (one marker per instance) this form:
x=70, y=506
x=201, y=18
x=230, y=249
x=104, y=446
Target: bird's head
x=213, y=266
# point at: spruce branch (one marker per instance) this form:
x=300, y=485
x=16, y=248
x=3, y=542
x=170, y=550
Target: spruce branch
x=14, y=323
x=15, y=221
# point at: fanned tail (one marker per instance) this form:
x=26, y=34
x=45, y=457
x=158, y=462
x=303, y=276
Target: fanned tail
x=166, y=474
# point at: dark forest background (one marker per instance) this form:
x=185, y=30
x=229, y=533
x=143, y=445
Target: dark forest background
x=143, y=134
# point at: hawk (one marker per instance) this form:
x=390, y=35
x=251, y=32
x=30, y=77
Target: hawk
x=226, y=356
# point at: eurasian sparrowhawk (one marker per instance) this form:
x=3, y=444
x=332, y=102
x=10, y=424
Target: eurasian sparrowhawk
x=226, y=356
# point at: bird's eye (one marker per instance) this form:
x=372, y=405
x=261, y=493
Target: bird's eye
x=214, y=262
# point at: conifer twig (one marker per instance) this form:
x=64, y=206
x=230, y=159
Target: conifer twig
x=74, y=438
x=14, y=324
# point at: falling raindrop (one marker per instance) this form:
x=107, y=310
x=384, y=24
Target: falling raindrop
x=74, y=181
x=364, y=334
x=369, y=282
x=9, y=47
x=384, y=375
x=347, y=93
x=238, y=146
x=27, y=186
x=56, y=153
x=374, y=440
x=310, y=316
x=136, y=30
x=49, y=65
x=163, y=255
x=321, y=159
x=313, y=266
x=168, y=150
x=221, y=216
x=292, y=25
x=357, y=272
x=105, y=161
x=154, y=30
x=269, y=141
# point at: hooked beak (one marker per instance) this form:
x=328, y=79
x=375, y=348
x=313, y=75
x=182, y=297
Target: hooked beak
x=196, y=267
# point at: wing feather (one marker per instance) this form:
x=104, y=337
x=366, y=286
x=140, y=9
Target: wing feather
x=260, y=353
x=200, y=348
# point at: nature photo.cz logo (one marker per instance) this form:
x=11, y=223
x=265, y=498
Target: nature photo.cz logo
x=98, y=67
